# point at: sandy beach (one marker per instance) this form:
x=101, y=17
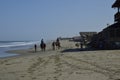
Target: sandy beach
x=67, y=63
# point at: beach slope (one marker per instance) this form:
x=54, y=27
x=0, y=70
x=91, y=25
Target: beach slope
x=63, y=64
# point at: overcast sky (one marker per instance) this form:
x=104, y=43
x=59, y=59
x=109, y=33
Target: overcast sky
x=48, y=19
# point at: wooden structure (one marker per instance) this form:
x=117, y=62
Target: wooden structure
x=87, y=36
x=109, y=38
x=117, y=15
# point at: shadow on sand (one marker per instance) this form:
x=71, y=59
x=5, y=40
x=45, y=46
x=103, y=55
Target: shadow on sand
x=76, y=50
x=84, y=49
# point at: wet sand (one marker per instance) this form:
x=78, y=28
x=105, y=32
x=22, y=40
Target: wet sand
x=62, y=64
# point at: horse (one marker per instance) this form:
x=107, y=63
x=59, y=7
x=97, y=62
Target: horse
x=58, y=44
x=43, y=46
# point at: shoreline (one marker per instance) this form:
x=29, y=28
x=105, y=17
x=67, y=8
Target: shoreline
x=20, y=51
x=31, y=51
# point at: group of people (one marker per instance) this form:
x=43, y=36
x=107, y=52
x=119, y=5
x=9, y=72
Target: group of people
x=55, y=45
x=42, y=46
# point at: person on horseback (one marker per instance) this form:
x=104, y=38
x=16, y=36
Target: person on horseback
x=42, y=45
x=57, y=40
x=58, y=43
x=42, y=41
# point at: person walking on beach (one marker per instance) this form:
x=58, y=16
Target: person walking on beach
x=35, y=47
x=81, y=44
x=53, y=45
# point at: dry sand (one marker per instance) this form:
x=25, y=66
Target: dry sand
x=70, y=64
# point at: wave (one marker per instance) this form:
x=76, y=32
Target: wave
x=16, y=43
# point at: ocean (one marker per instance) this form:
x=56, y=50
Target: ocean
x=14, y=45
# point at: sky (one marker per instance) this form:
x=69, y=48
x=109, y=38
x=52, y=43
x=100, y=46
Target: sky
x=49, y=19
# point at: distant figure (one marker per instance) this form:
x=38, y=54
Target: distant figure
x=58, y=43
x=42, y=45
x=35, y=46
x=42, y=41
x=57, y=40
x=81, y=44
x=53, y=45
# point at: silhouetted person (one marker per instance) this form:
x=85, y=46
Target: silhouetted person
x=42, y=41
x=35, y=46
x=58, y=43
x=81, y=44
x=53, y=45
x=57, y=40
x=42, y=45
